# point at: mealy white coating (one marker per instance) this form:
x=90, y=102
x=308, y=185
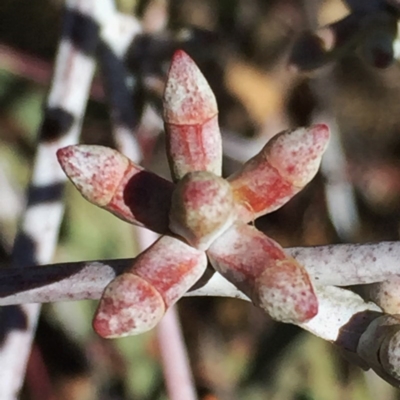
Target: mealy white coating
x=163, y=260
x=297, y=154
x=336, y=307
x=187, y=91
x=95, y=171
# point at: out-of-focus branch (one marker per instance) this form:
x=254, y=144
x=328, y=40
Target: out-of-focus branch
x=339, y=191
x=121, y=87
x=177, y=371
x=35, y=69
x=40, y=223
x=25, y=65
x=370, y=30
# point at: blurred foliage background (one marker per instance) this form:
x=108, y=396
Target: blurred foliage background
x=242, y=47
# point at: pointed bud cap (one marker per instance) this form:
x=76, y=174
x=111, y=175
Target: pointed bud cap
x=259, y=267
x=297, y=154
x=129, y=306
x=286, y=293
x=279, y=171
x=96, y=171
x=188, y=99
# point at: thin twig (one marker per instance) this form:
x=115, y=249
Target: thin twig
x=116, y=37
x=35, y=69
x=177, y=372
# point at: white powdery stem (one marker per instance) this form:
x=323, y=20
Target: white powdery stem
x=336, y=306
x=86, y=282
x=344, y=215
x=40, y=224
x=218, y=286
x=343, y=212
x=334, y=265
x=350, y=264
x=342, y=317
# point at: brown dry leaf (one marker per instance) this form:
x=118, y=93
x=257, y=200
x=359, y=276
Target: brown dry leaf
x=261, y=94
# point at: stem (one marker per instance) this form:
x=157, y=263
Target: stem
x=86, y=280
x=338, y=265
x=343, y=316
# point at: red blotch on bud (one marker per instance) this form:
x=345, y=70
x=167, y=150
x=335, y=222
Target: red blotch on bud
x=191, y=122
x=282, y=168
x=109, y=180
x=135, y=301
x=259, y=267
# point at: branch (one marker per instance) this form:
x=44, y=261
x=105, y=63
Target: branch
x=86, y=280
x=344, y=318
x=337, y=265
